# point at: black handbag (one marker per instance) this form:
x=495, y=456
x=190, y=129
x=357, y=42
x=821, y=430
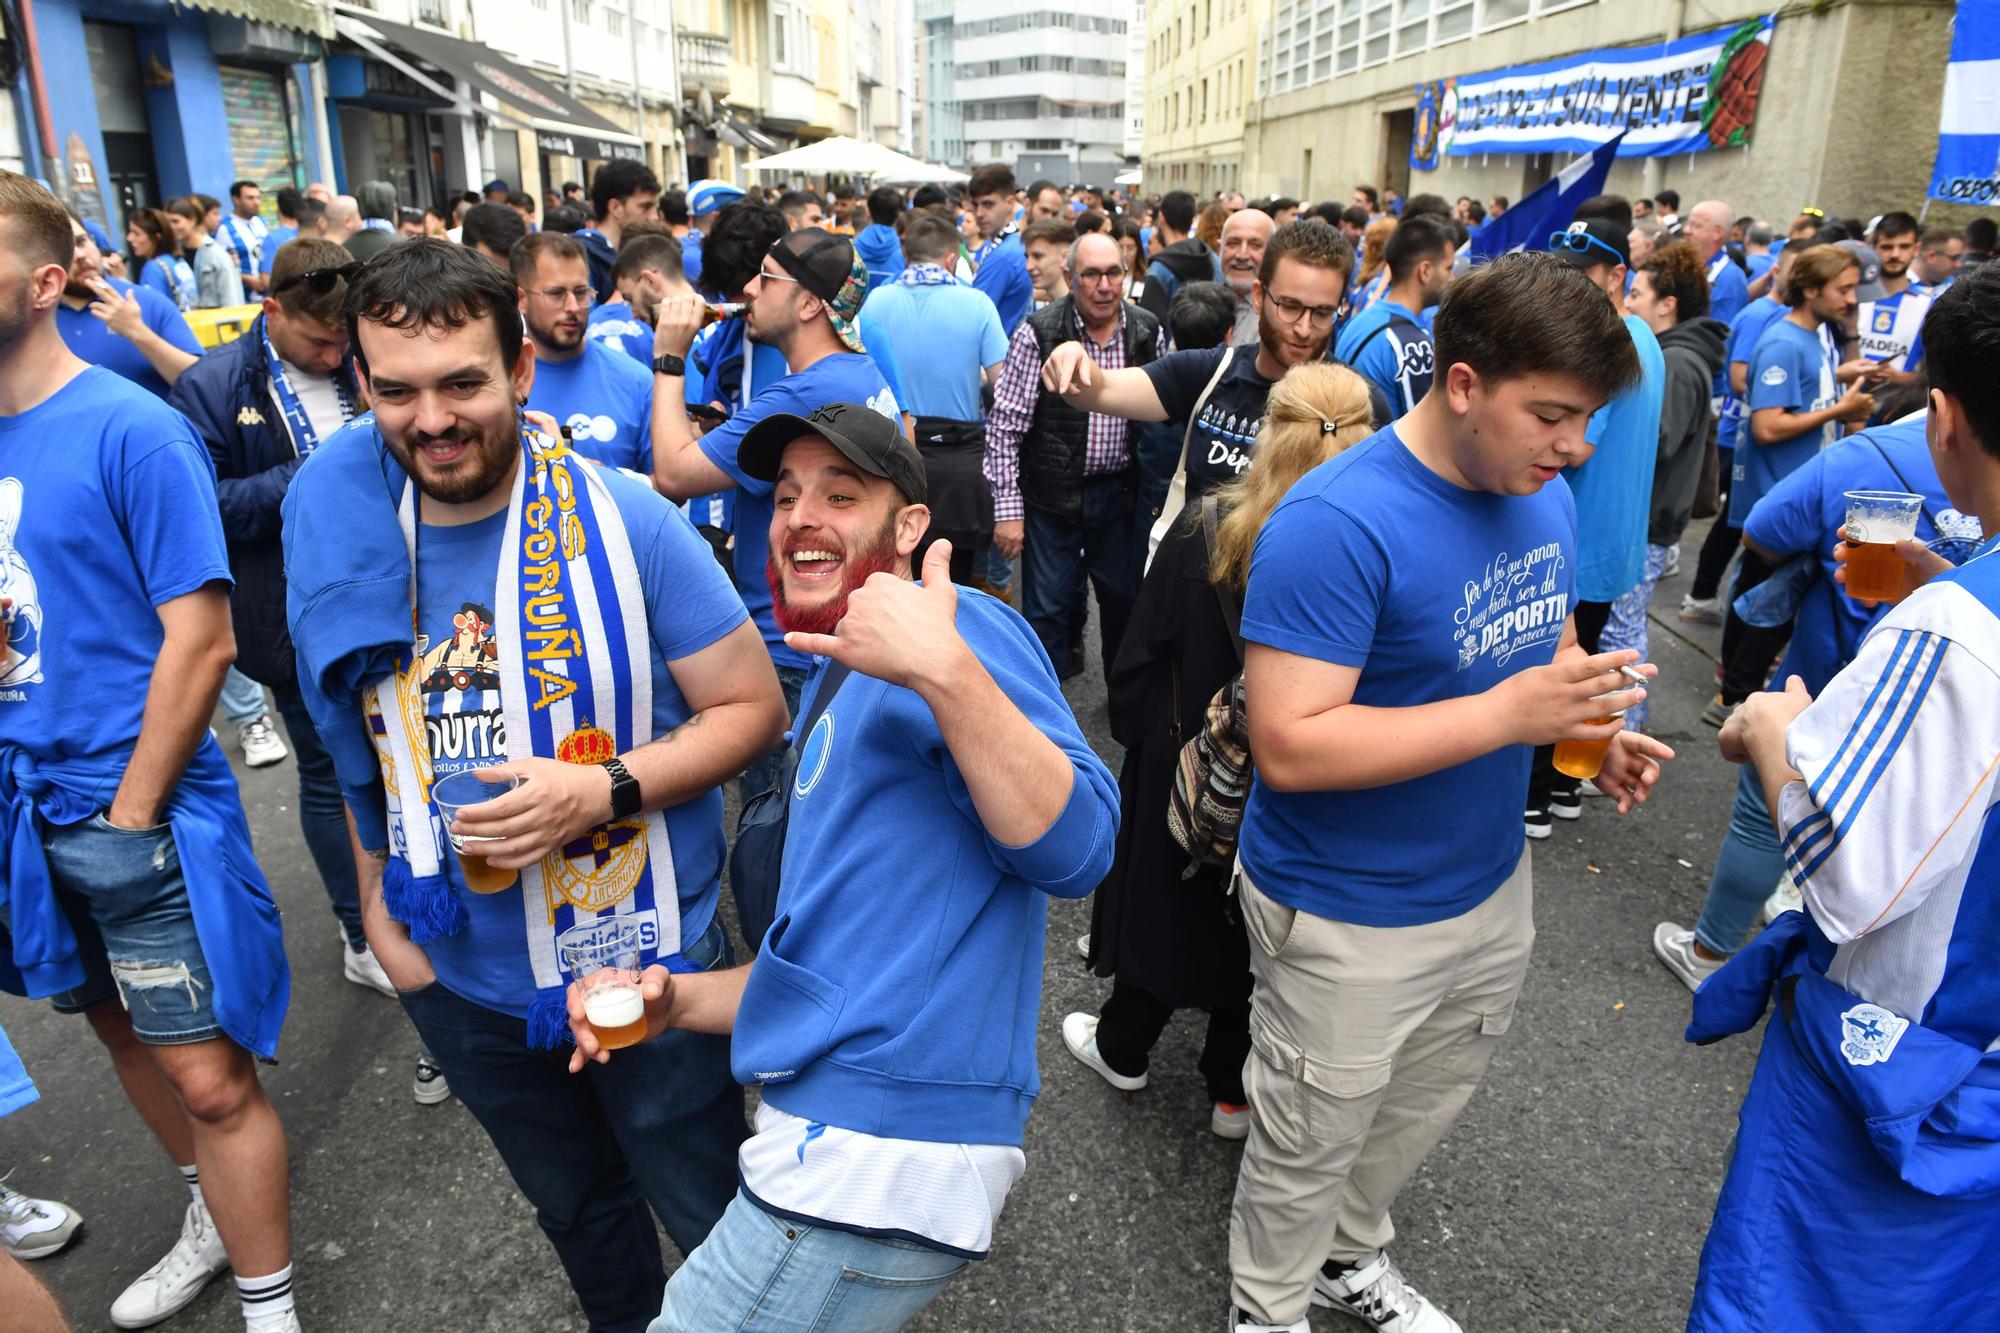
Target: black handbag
x=757, y=860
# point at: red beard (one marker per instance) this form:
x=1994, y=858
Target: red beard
x=856, y=568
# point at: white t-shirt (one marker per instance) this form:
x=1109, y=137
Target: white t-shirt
x=946, y=1195
x=320, y=397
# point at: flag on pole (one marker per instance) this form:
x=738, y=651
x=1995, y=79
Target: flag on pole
x=1549, y=208
x=1968, y=155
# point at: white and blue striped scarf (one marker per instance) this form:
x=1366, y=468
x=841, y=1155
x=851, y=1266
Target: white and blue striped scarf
x=576, y=684
x=927, y=275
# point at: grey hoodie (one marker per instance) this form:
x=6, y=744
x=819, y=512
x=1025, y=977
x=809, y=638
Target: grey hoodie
x=1694, y=351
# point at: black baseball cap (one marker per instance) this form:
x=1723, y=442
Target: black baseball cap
x=866, y=438
x=1585, y=243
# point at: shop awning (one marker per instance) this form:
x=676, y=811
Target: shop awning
x=559, y=122
x=305, y=15
x=739, y=133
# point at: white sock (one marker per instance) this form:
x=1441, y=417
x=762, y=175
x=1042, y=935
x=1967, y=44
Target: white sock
x=193, y=1179
x=265, y=1298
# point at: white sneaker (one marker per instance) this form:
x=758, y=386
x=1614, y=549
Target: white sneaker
x=1083, y=947
x=288, y=1322
x=261, y=746
x=35, y=1228
x=167, y=1287
x=1701, y=610
x=1376, y=1294
x=1080, y=1035
x=1243, y=1323
x=362, y=969
x=1230, y=1120
x=1675, y=948
x=1673, y=561
x=1785, y=898
x=430, y=1087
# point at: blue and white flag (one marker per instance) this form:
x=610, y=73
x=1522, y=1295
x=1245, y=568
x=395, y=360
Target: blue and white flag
x=1549, y=208
x=1968, y=155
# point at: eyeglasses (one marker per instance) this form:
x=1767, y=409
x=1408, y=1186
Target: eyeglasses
x=1092, y=276
x=583, y=296
x=1289, y=310
x=321, y=280
x=1582, y=242
x=769, y=276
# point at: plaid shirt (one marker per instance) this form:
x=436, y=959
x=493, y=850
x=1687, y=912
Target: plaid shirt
x=1107, y=446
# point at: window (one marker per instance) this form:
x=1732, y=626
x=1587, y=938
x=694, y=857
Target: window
x=780, y=49
x=1413, y=23
x=579, y=10
x=1505, y=11
x=433, y=12
x=614, y=22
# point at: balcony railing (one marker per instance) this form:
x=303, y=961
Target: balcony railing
x=703, y=59
x=437, y=13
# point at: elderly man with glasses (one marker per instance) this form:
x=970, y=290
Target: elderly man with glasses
x=1065, y=478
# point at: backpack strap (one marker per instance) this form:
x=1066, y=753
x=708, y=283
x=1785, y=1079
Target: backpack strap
x=1176, y=500
x=1232, y=610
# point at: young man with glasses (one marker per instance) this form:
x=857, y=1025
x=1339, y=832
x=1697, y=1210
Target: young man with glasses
x=1065, y=481
x=600, y=396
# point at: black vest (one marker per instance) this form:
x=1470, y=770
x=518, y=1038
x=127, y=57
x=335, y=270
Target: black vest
x=1052, y=452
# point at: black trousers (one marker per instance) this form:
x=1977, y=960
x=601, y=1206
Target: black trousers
x=1131, y=1021
x=1543, y=780
x=1748, y=650
x=1722, y=542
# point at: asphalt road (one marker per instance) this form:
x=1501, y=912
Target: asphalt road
x=1573, y=1194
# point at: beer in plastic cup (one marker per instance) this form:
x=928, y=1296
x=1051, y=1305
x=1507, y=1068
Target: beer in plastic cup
x=457, y=792
x=603, y=958
x=1585, y=759
x=1876, y=521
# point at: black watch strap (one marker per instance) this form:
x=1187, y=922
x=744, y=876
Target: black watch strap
x=625, y=798
x=666, y=364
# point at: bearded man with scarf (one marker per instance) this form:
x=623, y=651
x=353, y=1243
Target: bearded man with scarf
x=571, y=631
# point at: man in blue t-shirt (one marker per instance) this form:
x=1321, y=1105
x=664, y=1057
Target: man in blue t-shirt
x=596, y=393
x=647, y=271
x=1387, y=344
x=925, y=309
x=942, y=796
x=590, y=1155
x=1707, y=225
x=1797, y=408
x=1613, y=490
x=132, y=331
x=803, y=301
x=1409, y=640
x=289, y=202
x=999, y=265
x=133, y=896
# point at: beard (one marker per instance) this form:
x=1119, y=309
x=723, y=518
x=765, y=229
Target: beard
x=856, y=568
x=559, y=337
x=488, y=458
x=16, y=317
x=1271, y=335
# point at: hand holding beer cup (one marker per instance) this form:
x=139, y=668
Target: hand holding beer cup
x=655, y=984
x=1879, y=558
x=607, y=994
x=1572, y=698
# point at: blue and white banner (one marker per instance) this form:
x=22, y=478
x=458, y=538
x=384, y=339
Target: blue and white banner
x=1683, y=96
x=1548, y=208
x=1968, y=155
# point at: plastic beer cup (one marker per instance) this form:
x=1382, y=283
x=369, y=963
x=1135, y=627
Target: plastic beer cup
x=454, y=794
x=1876, y=521
x=603, y=958
x=1585, y=759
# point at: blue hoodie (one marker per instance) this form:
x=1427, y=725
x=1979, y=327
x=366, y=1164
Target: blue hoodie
x=898, y=992
x=881, y=252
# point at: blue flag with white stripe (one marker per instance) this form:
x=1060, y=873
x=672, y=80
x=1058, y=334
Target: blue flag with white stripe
x=1968, y=155
x=1548, y=208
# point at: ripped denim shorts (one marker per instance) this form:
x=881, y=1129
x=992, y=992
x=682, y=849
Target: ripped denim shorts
x=125, y=898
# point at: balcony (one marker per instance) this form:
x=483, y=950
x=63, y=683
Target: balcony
x=704, y=62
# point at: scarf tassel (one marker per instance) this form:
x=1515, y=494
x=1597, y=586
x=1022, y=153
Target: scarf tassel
x=548, y=1012
x=427, y=906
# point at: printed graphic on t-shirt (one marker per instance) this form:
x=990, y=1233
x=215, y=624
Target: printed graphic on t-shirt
x=21, y=662
x=1512, y=607
x=463, y=724
x=1226, y=439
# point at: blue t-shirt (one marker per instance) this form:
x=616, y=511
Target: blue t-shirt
x=689, y=605
x=1728, y=288
x=1761, y=264
x=613, y=323
x=273, y=243
x=844, y=377
x=605, y=400
x=1743, y=335
x=107, y=510
x=92, y=339
x=1805, y=511
x=171, y=278
x=691, y=257
x=1435, y=592
x=1389, y=346
x=1614, y=486
x=1003, y=276
x=949, y=318
x=1790, y=370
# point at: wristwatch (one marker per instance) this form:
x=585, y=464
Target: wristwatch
x=665, y=364
x=625, y=799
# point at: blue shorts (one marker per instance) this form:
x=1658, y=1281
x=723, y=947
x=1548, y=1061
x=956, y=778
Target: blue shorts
x=127, y=903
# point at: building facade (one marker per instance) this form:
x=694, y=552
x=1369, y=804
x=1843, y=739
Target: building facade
x=1335, y=99
x=1201, y=63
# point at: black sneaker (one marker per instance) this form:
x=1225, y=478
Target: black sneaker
x=1566, y=804
x=1538, y=821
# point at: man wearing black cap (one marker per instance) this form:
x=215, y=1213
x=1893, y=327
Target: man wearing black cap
x=1613, y=486
x=891, y=1013
x=803, y=302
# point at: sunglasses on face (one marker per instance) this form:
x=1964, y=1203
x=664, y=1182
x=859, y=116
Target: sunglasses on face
x=321, y=280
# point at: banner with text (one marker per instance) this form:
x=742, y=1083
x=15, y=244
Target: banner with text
x=1684, y=96
x=1968, y=155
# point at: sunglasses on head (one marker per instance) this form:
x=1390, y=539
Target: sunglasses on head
x=1810, y=212
x=1582, y=242
x=321, y=280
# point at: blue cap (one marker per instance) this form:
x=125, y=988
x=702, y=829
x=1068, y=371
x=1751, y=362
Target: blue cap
x=706, y=196
x=497, y=185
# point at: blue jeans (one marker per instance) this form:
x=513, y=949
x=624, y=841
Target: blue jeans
x=1107, y=546
x=127, y=903
x=322, y=813
x=1746, y=869
x=758, y=1270
x=759, y=776
x=660, y=1124
x=242, y=698
x=999, y=571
